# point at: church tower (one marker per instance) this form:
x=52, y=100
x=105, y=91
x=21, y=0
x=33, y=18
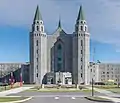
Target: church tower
x=81, y=39
x=38, y=50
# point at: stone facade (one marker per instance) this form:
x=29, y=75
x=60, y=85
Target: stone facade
x=59, y=52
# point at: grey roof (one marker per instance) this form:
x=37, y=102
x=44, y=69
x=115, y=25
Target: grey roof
x=37, y=14
x=81, y=14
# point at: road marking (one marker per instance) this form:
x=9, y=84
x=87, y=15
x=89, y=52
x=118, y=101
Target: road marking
x=73, y=98
x=56, y=97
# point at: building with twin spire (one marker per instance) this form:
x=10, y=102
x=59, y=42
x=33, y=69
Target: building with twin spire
x=59, y=56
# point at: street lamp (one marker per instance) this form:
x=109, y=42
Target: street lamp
x=92, y=88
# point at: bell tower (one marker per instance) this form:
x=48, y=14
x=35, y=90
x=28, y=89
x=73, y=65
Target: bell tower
x=38, y=50
x=81, y=38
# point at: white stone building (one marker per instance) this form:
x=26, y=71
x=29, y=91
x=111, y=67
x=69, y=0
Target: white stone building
x=59, y=52
x=104, y=72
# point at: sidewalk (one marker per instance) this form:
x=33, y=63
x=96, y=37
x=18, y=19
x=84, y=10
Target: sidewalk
x=13, y=91
x=106, y=92
x=109, y=95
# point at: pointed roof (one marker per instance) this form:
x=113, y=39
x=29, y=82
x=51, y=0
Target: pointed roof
x=81, y=14
x=59, y=24
x=37, y=14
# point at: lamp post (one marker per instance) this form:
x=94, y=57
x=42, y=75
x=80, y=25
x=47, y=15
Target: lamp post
x=118, y=80
x=92, y=88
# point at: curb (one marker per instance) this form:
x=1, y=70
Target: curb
x=18, y=101
x=99, y=100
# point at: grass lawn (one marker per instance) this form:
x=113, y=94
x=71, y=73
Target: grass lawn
x=59, y=90
x=2, y=88
x=10, y=99
x=97, y=98
x=112, y=88
x=115, y=90
x=105, y=86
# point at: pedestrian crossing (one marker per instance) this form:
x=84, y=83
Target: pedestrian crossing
x=57, y=98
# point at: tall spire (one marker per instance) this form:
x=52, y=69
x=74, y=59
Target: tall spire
x=59, y=24
x=81, y=14
x=37, y=14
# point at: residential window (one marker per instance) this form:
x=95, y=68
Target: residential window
x=107, y=72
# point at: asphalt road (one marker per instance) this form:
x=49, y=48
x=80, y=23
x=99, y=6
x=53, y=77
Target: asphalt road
x=59, y=97
x=59, y=100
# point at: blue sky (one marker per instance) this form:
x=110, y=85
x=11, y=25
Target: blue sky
x=102, y=16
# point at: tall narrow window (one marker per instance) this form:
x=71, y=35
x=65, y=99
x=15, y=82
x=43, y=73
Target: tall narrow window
x=37, y=28
x=37, y=51
x=81, y=52
x=81, y=28
x=91, y=70
x=81, y=67
x=81, y=43
x=37, y=59
x=59, y=57
x=81, y=75
x=81, y=59
x=37, y=66
x=42, y=28
x=37, y=74
x=37, y=43
x=85, y=28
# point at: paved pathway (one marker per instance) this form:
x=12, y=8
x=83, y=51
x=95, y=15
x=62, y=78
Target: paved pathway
x=12, y=91
x=109, y=95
